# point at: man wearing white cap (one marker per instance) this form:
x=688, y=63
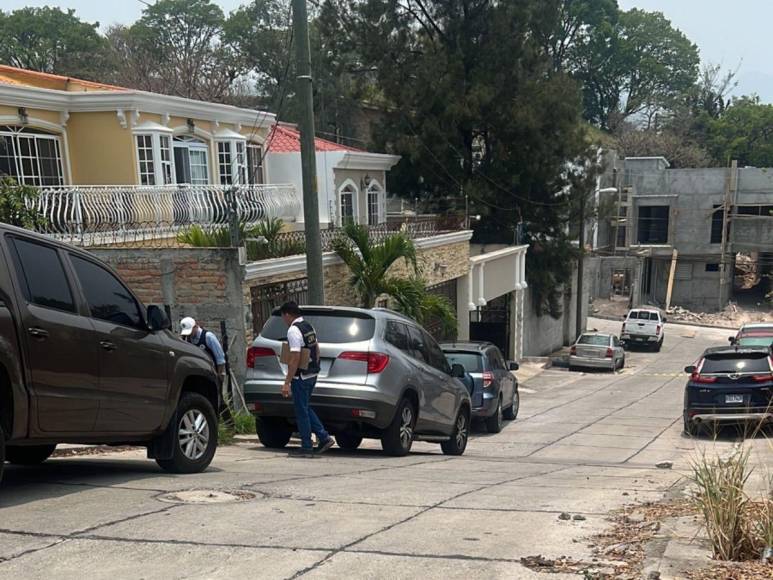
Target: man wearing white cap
x=205, y=340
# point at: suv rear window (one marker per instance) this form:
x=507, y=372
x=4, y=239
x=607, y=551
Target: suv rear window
x=471, y=361
x=736, y=364
x=332, y=328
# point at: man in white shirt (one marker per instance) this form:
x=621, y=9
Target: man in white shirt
x=301, y=335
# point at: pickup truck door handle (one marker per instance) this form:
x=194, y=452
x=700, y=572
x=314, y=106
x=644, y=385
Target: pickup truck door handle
x=107, y=345
x=38, y=333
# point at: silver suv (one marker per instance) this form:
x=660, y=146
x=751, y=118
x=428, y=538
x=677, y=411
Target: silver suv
x=382, y=376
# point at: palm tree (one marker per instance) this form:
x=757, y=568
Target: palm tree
x=369, y=265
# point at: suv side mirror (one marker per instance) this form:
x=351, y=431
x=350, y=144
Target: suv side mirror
x=689, y=369
x=513, y=366
x=157, y=319
x=457, y=371
x=731, y=339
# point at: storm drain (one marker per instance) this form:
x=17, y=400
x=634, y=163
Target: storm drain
x=204, y=496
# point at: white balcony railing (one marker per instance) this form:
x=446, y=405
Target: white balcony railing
x=118, y=214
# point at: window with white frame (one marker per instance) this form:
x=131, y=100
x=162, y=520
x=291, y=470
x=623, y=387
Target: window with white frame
x=255, y=164
x=374, y=204
x=30, y=156
x=347, y=195
x=191, y=160
x=232, y=162
x=155, y=162
x=147, y=165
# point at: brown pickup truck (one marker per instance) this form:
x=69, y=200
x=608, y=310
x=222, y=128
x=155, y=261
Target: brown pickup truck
x=82, y=361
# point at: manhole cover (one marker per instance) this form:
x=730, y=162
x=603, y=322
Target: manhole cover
x=202, y=496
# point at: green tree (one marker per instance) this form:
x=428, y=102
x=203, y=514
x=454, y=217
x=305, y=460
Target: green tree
x=472, y=102
x=53, y=41
x=370, y=264
x=743, y=132
x=176, y=48
x=18, y=205
x=638, y=67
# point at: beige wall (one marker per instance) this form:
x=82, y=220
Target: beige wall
x=101, y=151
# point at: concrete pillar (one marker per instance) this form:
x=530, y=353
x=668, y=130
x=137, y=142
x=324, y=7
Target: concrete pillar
x=515, y=331
x=463, y=298
x=481, y=284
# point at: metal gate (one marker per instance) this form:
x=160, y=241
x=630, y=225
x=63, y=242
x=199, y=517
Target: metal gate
x=435, y=326
x=268, y=297
x=491, y=323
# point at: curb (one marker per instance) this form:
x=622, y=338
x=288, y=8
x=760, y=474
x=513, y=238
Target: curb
x=676, y=322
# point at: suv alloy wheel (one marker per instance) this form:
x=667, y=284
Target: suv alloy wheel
x=458, y=441
x=397, y=438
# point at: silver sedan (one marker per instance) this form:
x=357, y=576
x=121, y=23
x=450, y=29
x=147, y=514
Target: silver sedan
x=597, y=351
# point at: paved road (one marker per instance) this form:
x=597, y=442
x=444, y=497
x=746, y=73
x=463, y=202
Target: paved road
x=584, y=443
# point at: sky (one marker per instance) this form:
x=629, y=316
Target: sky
x=736, y=35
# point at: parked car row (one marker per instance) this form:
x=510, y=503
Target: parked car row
x=382, y=376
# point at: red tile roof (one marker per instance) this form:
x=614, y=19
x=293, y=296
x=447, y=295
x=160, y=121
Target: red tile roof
x=286, y=139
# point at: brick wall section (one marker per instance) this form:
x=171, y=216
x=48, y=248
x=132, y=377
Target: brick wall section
x=201, y=282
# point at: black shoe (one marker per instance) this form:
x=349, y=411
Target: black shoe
x=324, y=446
x=302, y=453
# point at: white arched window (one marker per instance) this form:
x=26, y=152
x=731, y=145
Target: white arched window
x=30, y=156
x=347, y=196
x=374, y=200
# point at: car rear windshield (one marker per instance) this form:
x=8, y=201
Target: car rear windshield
x=594, y=340
x=756, y=341
x=471, y=361
x=736, y=364
x=643, y=315
x=332, y=328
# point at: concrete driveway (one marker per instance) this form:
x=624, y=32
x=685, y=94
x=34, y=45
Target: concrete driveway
x=583, y=444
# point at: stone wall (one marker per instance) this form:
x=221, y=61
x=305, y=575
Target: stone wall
x=204, y=283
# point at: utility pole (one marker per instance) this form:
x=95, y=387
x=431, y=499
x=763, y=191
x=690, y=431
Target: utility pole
x=617, y=211
x=731, y=186
x=308, y=155
x=580, y=266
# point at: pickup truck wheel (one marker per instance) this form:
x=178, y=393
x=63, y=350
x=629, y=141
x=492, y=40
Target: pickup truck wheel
x=349, y=441
x=273, y=432
x=397, y=438
x=494, y=423
x=33, y=455
x=458, y=441
x=195, y=436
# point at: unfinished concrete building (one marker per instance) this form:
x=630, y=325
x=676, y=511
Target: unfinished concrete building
x=673, y=220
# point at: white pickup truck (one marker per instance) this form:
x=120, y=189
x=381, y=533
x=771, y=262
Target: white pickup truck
x=643, y=327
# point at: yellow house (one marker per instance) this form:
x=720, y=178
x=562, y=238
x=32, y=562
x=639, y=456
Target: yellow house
x=94, y=148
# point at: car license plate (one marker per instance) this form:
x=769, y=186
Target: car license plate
x=731, y=399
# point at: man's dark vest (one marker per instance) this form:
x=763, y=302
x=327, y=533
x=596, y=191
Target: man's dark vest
x=310, y=342
x=201, y=342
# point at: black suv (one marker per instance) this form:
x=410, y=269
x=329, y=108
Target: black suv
x=729, y=385
x=82, y=361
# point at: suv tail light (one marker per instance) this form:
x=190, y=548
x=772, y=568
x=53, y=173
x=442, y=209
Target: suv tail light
x=610, y=352
x=376, y=361
x=697, y=378
x=573, y=351
x=488, y=378
x=258, y=352
x=762, y=378
x=657, y=330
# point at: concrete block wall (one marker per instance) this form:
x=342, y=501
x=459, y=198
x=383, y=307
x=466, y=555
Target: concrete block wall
x=205, y=283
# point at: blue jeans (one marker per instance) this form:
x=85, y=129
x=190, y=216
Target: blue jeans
x=304, y=415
